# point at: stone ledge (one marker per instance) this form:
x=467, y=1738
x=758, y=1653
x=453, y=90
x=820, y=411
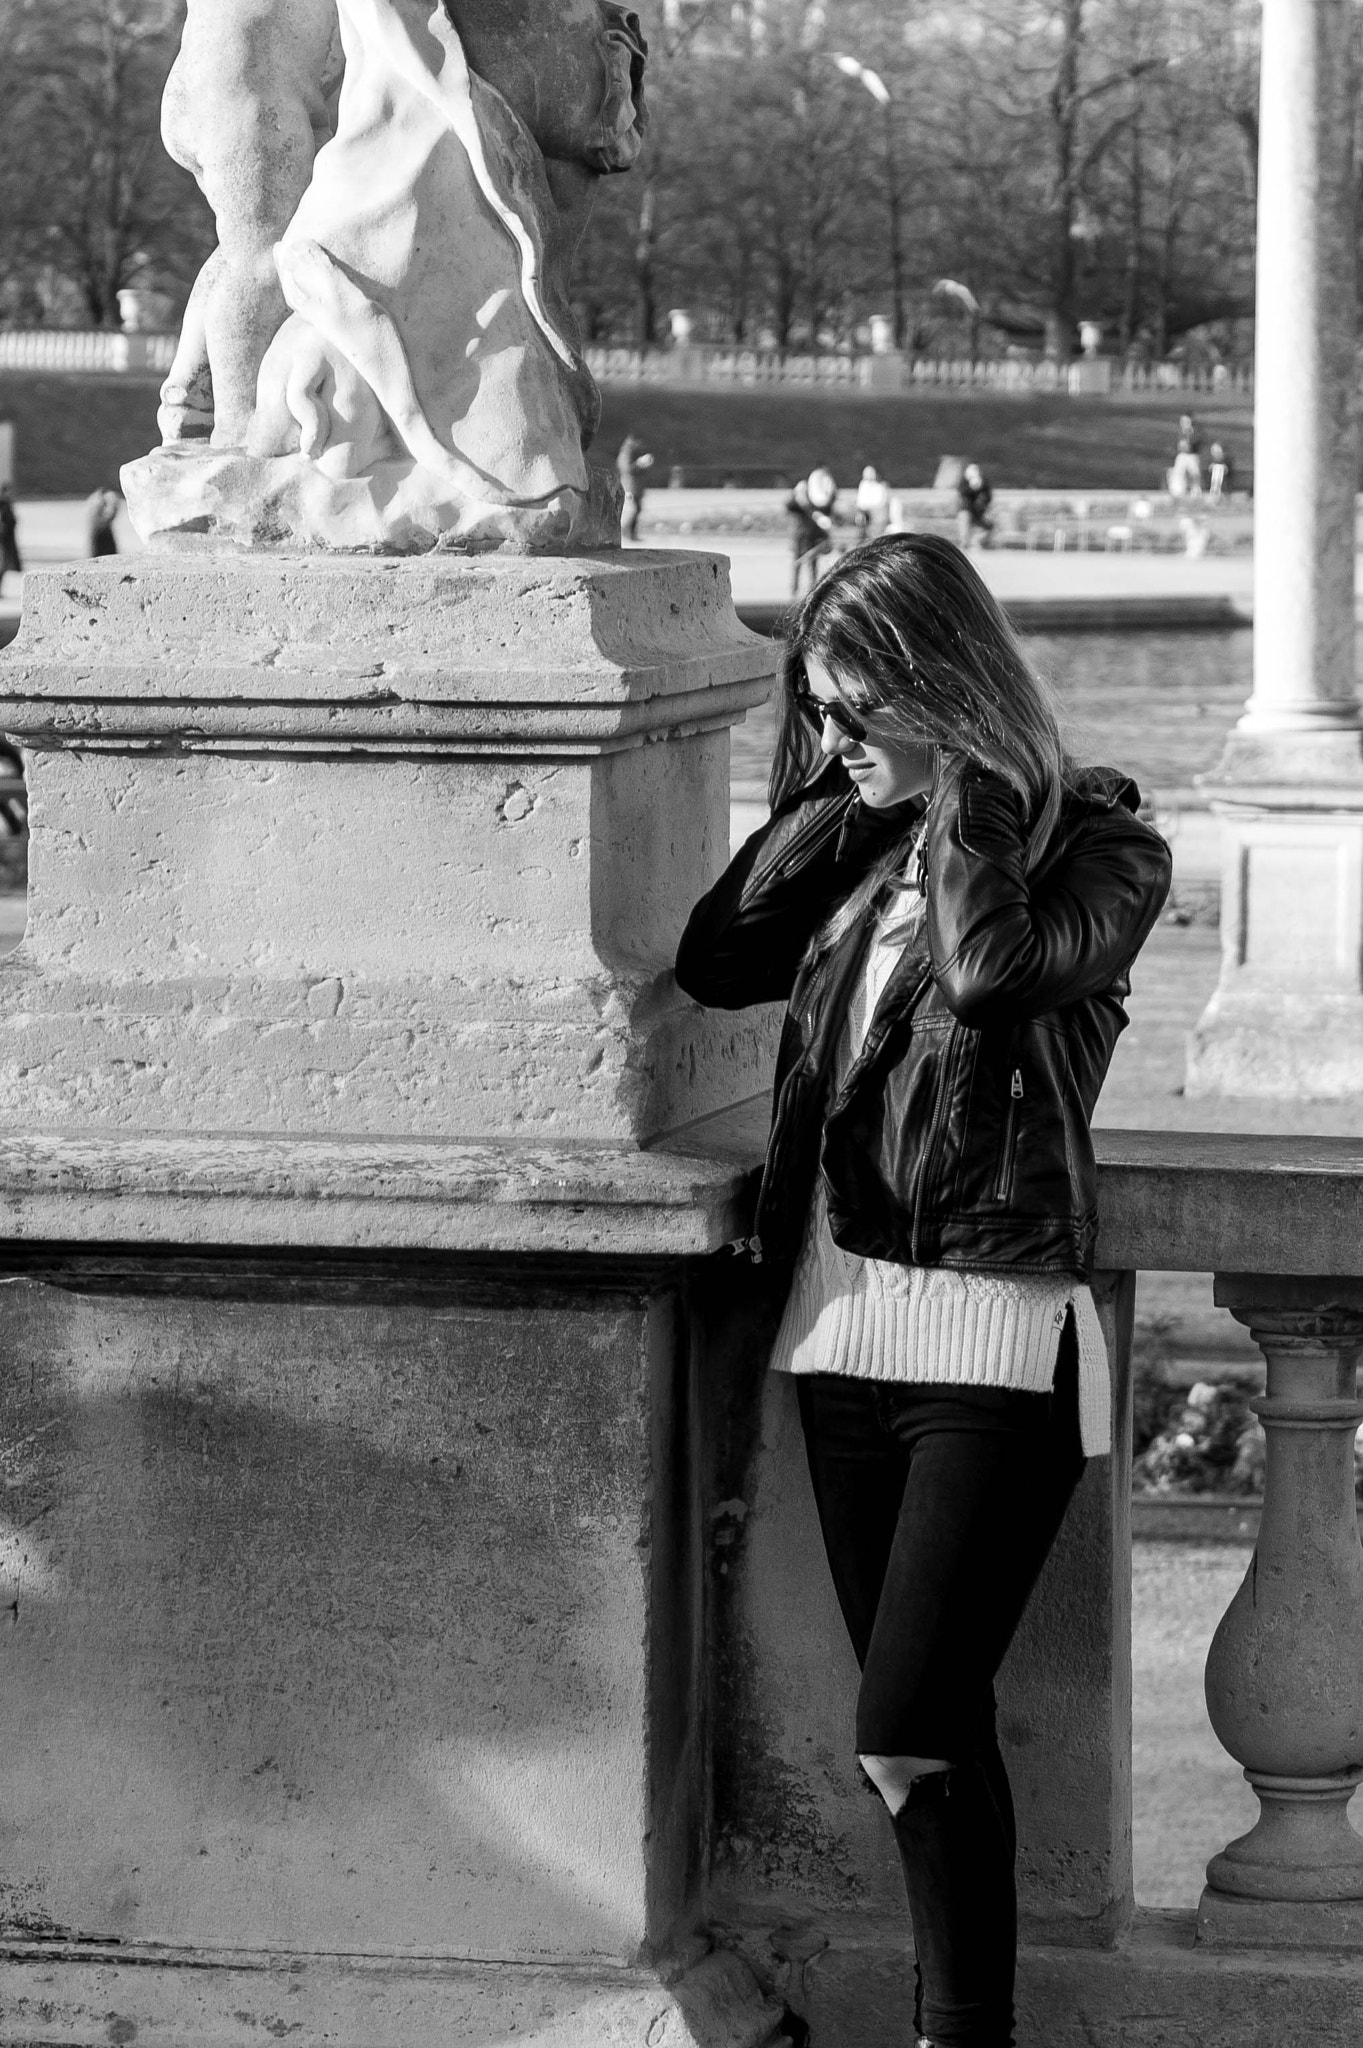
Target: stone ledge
x=236, y=722
x=338, y=1193
x=1225, y=1202
x=1170, y=1201
x=171, y=1997
x=851, y=1977
x=584, y=630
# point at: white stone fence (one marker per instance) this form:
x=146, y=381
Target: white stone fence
x=73, y=350
x=1088, y=375
x=77, y=350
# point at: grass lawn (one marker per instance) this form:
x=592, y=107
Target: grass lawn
x=1043, y=442
x=73, y=433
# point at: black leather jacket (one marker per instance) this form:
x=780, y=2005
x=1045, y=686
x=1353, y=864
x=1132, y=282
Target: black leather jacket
x=960, y=1135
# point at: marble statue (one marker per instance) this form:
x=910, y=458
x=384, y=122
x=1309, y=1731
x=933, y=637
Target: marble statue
x=380, y=354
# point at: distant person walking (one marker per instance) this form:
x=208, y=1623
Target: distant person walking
x=974, y=496
x=101, y=510
x=10, y=558
x=1185, y=478
x=873, y=504
x=811, y=536
x=632, y=463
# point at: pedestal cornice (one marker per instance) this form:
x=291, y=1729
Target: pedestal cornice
x=504, y=655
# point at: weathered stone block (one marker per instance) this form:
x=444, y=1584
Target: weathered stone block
x=373, y=847
x=355, y=1610
x=1286, y=1018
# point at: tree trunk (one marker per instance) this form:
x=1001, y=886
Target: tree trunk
x=645, y=278
x=1065, y=122
x=1131, y=301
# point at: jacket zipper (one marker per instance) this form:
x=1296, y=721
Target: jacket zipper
x=781, y=1114
x=939, y=1117
x=1004, y=1185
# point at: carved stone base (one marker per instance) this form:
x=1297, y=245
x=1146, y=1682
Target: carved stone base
x=1286, y=1019
x=1303, y=1847
x=187, y=497
x=1226, y=1922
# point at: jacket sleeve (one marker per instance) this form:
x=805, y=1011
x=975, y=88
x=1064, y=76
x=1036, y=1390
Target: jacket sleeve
x=746, y=937
x=1005, y=945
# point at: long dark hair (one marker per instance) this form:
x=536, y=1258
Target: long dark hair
x=908, y=629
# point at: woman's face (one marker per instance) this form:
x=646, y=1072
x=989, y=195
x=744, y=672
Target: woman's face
x=884, y=771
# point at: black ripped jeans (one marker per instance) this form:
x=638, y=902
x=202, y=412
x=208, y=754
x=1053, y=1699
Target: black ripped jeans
x=939, y=1505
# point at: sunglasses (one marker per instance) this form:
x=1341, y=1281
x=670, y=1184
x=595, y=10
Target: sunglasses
x=817, y=709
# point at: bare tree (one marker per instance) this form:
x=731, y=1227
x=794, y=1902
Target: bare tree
x=89, y=193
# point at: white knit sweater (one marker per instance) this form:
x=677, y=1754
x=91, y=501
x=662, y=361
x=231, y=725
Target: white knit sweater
x=874, y=1319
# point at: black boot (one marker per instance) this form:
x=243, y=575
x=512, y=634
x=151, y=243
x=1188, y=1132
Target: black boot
x=958, y=1871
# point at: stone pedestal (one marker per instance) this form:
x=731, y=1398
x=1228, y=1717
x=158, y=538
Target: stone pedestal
x=1285, y=1671
x=1287, y=1016
x=372, y=847
x=354, y=1554
x=354, y=1679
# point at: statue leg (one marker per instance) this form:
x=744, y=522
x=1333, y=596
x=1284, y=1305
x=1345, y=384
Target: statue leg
x=245, y=108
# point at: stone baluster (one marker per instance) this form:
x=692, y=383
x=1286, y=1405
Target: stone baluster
x=1285, y=1671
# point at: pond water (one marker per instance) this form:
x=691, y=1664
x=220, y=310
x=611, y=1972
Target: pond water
x=1158, y=705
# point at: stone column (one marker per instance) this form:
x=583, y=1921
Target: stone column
x=1287, y=1016
x=1285, y=1671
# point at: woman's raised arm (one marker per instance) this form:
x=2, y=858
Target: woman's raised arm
x=1005, y=944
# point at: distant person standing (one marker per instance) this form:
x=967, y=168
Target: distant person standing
x=873, y=504
x=974, y=496
x=1218, y=472
x=811, y=536
x=822, y=486
x=632, y=463
x=101, y=510
x=1185, y=478
x=10, y=559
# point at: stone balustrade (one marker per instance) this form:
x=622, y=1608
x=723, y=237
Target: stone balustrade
x=667, y=1499
x=804, y=1865
x=717, y=364
x=76, y=350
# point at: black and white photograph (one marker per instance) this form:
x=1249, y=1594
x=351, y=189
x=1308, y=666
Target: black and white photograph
x=681, y=1023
